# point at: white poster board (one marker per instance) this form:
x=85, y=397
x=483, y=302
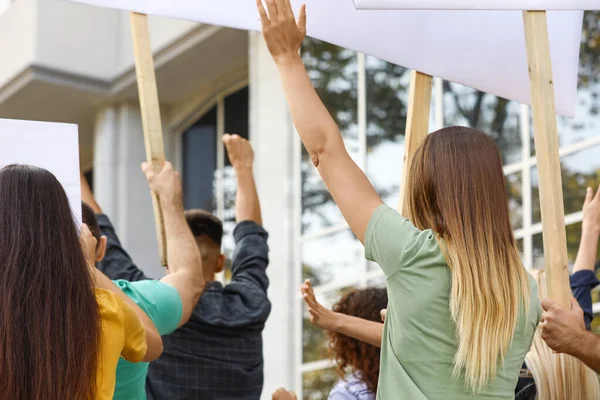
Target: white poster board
x=48, y=145
x=531, y=5
x=480, y=49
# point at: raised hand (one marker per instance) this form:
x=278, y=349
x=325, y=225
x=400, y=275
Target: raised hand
x=282, y=394
x=239, y=151
x=282, y=33
x=591, y=211
x=167, y=183
x=319, y=315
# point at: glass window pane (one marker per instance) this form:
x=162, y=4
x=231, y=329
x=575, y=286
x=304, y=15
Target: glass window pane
x=495, y=116
x=318, y=384
x=333, y=71
x=236, y=121
x=579, y=170
x=200, y=162
x=338, y=257
x=387, y=103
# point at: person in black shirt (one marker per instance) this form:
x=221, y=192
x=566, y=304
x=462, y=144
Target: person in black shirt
x=218, y=353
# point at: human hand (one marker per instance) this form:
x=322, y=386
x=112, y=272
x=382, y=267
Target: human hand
x=166, y=184
x=319, y=315
x=282, y=394
x=383, y=314
x=239, y=151
x=282, y=33
x=561, y=329
x=591, y=211
x=88, y=244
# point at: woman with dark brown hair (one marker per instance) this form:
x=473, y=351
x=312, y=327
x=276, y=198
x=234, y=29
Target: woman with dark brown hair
x=357, y=361
x=61, y=324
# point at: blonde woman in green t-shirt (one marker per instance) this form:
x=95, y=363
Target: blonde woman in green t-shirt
x=462, y=309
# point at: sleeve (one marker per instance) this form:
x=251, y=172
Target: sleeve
x=582, y=283
x=251, y=256
x=135, y=345
x=117, y=264
x=160, y=301
x=392, y=240
x=244, y=300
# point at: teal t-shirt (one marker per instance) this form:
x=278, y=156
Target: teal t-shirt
x=163, y=305
x=419, y=344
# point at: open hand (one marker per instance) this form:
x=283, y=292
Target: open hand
x=319, y=315
x=282, y=33
x=282, y=394
x=167, y=183
x=591, y=210
x=561, y=329
x=239, y=151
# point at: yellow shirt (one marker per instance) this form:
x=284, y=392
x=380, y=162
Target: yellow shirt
x=123, y=335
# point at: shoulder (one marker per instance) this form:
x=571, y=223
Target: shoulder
x=110, y=306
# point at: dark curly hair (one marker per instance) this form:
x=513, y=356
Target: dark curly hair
x=362, y=358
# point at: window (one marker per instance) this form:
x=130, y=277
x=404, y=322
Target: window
x=368, y=99
x=208, y=177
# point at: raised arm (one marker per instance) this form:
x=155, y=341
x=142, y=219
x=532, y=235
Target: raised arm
x=247, y=205
x=356, y=328
x=348, y=185
x=183, y=256
x=590, y=232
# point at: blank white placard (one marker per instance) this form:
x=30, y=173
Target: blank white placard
x=48, y=145
x=481, y=49
x=531, y=5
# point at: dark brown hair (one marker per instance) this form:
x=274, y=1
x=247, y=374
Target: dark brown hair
x=361, y=357
x=49, y=319
x=203, y=223
x=88, y=217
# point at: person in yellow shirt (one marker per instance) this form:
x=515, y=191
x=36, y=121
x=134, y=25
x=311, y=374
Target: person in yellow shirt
x=126, y=329
x=62, y=327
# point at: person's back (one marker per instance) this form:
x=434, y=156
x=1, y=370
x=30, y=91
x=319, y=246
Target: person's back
x=218, y=354
x=419, y=339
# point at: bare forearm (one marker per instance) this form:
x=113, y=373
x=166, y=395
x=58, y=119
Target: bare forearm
x=588, y=350
x=87, y=196
x=316, y=127
x=182, y=251
x=359, y=329
x=247, y=205
x=588, y=248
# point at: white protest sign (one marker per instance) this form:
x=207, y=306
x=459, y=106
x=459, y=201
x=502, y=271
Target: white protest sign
x=481, y=49
x=48, y=145
x=530, y=5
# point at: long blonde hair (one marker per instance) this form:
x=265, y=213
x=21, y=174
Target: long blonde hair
x=457, y=189
x=559, y=376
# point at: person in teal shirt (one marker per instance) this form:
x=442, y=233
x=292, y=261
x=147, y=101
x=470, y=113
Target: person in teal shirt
x=462, y=309
x=168, y=302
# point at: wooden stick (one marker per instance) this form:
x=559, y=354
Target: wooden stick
x=150, y=110
x=417, y=125
x=548, y=159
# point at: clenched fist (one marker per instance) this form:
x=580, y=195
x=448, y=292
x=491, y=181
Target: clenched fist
x=239, y=151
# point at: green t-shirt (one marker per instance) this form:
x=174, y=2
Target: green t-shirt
x=419, y=345
x=163, y=305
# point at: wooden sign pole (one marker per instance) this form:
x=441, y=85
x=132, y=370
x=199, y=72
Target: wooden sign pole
x=548, y=159
x=417, y=125
x=150, y=110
